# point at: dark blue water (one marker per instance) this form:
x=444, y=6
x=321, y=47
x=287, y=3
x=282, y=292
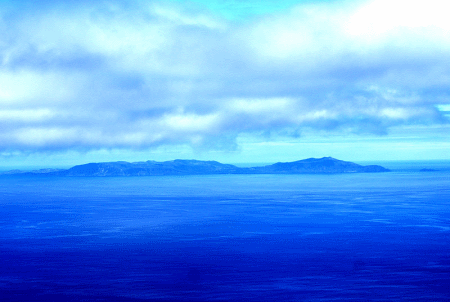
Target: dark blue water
x=359, y=237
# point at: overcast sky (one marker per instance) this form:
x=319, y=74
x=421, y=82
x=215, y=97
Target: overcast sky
x=234, y=81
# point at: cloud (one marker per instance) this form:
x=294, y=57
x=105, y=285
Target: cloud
x=125, y=74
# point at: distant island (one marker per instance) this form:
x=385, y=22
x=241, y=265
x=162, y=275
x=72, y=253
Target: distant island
x=428, y=170
x=325, y=165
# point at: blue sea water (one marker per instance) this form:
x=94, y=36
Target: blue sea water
x=344, y=237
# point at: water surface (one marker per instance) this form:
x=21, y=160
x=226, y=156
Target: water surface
x=372, y=237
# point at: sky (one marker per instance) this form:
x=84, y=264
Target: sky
x=234, y=81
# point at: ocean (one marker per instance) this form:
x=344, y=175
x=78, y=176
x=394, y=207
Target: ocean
x=342, y=237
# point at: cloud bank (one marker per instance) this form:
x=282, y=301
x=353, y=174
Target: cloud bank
x=126, y=74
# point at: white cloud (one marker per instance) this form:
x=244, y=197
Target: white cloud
x=175, y=15
x=24, y=87
x=26, y=115
x=386, y=17
x=127, y=74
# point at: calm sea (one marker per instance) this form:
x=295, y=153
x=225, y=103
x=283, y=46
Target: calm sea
x=348, y=237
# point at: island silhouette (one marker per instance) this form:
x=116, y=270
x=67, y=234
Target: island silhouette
x=324, y=165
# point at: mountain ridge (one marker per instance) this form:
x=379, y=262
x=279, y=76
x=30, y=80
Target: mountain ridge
x=324, y=165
